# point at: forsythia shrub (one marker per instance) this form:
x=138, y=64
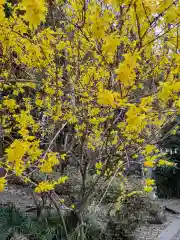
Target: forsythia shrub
x=108, y=68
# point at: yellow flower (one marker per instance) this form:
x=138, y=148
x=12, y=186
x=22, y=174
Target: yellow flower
x=125, y=72
x=110, y=45
x=134, y=193
x=10, y=104
x=61, y=180
x=52, y=158
x=35, y=11
x=46, y=168
x=2, y=15
x=149, y=182
x=39, y=102
x=63, y=156
x=149, y=148
x=106, y=98
x=23, y=132
x=48, y=163
x=166, y=163
x=2, y=2
x=16, y=151
x=2, y=184
x=44, y=187
x=113, y=2
x=135, y=156
x=149, y=164
x=94, y=121
x=148, y=189
x=19, y=168
x=99, y=165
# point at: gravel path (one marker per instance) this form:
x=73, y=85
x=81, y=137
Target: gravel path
x=151, y=231
x=177, y=236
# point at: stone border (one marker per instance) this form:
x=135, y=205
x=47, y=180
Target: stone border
x=172, y=232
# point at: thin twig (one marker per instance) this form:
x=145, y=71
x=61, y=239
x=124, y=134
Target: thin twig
x=54, y=138
x=61, y=216
x=109, y=184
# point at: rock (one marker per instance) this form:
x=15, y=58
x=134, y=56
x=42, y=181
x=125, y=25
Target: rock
x=152, y=195
x=158, y=218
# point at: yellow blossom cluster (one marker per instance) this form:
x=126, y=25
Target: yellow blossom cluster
x=46, y=165
x=35, y=11
x=2, y=184
x=126, y=70
x=47, y=186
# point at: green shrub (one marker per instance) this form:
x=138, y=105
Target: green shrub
x=167, y=182
x=13, y=221
x=168, y=178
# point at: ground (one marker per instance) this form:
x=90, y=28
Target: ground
x=152, y=231
x=22, y=198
